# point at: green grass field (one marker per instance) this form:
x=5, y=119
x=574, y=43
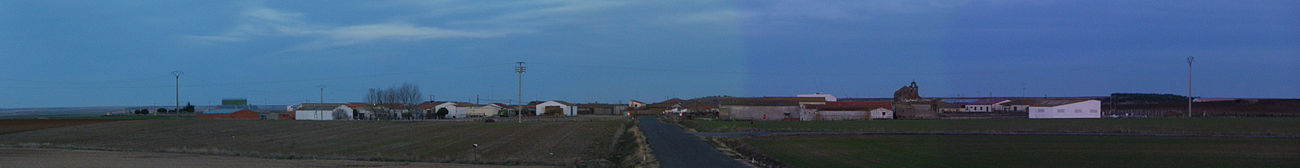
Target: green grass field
x=1230, y=126
x=532, y=143
x=1026, y=151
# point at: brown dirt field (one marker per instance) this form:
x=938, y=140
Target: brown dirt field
x=574, y=142
x=14, y=126
x=41, y=157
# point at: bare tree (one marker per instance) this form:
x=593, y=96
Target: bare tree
x=395, y=102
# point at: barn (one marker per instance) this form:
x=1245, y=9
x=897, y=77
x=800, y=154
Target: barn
x=847, y=111
x=1065, y=109
x=230, y=114
x=556, y=108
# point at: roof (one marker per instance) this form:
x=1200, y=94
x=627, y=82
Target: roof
x=561, y=102
x=987, y=101
x=225, y=111
x=318, y=107
x=864, y=106
x=1056, y=102
x=758, y=102
x=798, y=99
x=634, y=101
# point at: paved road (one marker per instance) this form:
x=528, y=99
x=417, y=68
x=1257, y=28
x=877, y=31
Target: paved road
x=674, y=147
x=765, y=133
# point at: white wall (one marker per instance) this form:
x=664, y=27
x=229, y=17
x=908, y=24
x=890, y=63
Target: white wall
x=322, y=114
x=452, y=110
x=1084, y=109
x=568, y=110
x=881, y=113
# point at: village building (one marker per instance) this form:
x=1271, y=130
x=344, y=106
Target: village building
x=490, y=110
x=1059, y=108
x=317, y=111
x=455, y=109
x=601, y=109
x=984, y=105
x=555, y=108
x=635, y=104
x=847, y=111
x=908, y=104
x=230, y=113
x=758, y=109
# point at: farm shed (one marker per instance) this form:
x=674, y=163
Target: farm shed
x=556, y=108
x=323, y=112
x=455, y=109
x=230, y=114
x=489, y=110
x=847, y=111
x=1065, y=109
x=758, y=109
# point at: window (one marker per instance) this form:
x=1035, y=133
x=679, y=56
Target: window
x=1093, y=110
x=1041, y=110
x=1060, y=110
x=1078, y=111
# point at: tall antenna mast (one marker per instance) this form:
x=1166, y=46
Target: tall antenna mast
x=519, y=110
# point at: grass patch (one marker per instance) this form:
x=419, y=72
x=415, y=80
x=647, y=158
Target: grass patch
x=1026, y=151
x=1221, y=126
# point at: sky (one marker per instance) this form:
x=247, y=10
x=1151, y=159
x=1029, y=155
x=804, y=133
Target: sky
x=122, y=53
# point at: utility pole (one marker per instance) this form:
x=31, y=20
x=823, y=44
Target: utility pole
x=519, y=110
x=1190, y=59
x=322, y=94
x=178, y=88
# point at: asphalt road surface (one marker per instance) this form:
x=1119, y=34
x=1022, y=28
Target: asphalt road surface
x=674, y=147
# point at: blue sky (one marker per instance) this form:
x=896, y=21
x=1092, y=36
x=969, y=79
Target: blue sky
x=110, y=53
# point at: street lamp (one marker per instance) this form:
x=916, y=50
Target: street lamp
x=1190, y=59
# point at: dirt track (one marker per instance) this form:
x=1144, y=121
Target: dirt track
x=40, y=157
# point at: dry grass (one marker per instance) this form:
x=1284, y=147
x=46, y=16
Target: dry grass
x=14, y=126
x=573, y=142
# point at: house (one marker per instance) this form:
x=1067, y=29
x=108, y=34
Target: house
x=602, y=109
x=230, y=113
x=317, y=111
x=1021, y=105
x=455, y=109
x=984, y=105
x=490, y=110
x=362, y=111
x=826, y=97
x=555, y=108
x=635, y=104
x=758, y=109
x=1065, y=108
x=847, y=111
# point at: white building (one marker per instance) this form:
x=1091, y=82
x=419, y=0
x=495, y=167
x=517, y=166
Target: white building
x=489, y=110
x=556, y=108
x=1065, y=109
x=828, y=97
x=985, y=105
x=455, y=109
x=323, y=112
x=635, y=104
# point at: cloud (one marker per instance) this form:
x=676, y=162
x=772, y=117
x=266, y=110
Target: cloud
x=265, y=22
x=394, y=32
